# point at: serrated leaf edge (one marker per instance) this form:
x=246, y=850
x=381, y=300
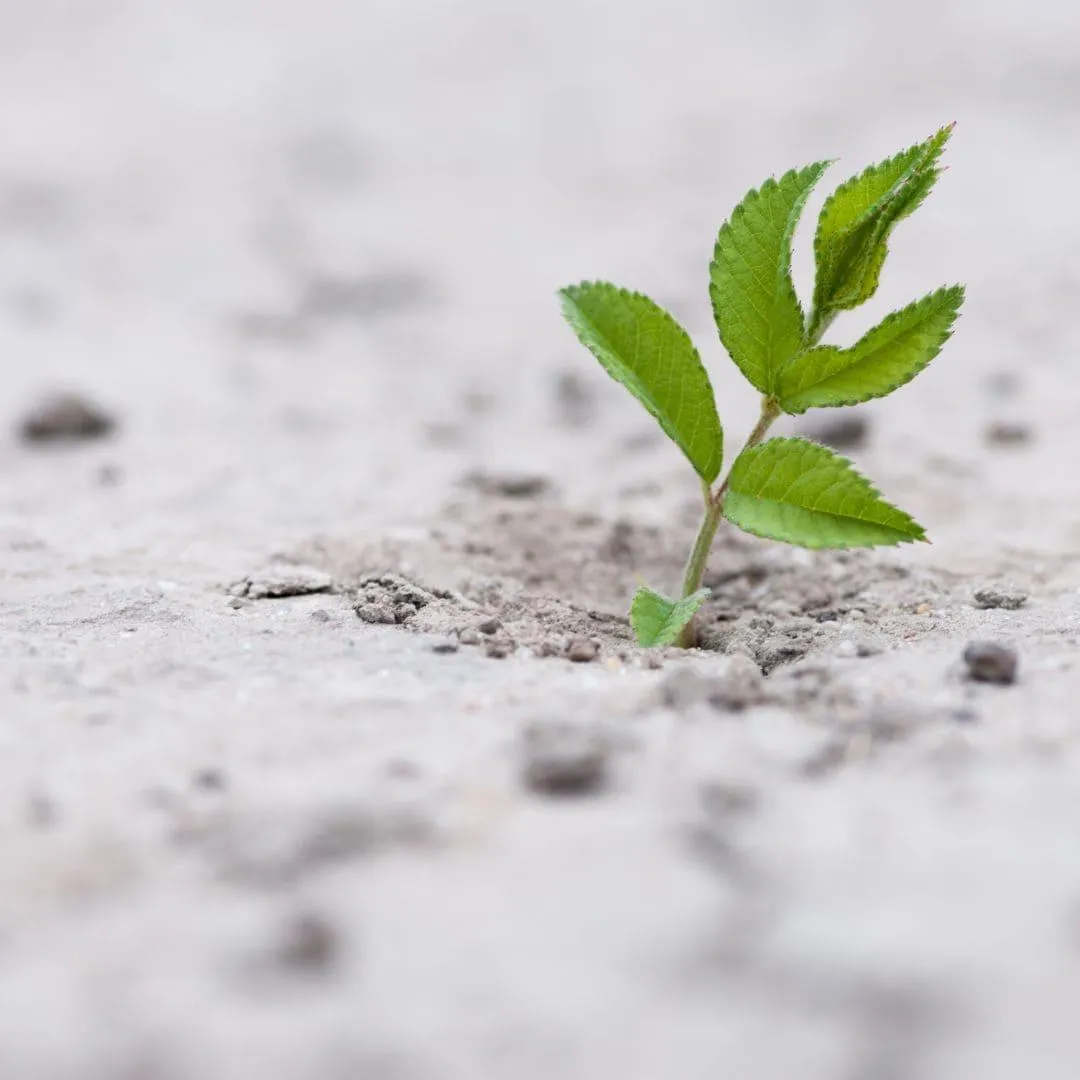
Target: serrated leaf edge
x=927, y=301
x=708, y=474
x=849, y=466
x=783, y=284
x=935, y=147
x=875, y=246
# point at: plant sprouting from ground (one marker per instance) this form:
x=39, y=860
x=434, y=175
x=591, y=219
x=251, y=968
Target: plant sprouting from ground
x=786, y=489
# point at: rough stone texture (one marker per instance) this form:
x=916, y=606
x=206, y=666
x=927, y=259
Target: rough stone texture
x=995, y=596
x=283, y=579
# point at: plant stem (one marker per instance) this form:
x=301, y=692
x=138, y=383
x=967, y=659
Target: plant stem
x=816, y=325
x=714, y=510
x=714, y=501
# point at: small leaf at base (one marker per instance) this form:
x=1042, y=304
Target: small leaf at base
x=802, y=493
x=658, y=620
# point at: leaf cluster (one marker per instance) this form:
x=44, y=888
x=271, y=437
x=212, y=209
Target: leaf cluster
x=785, y=488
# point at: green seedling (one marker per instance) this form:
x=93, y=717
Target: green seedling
x=787, y=489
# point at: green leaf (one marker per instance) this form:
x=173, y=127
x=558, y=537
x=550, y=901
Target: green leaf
x=888, y=356
x=802, y=493
x=757, y=311
x=641, y=346
x=850, y=244
x=658, y=620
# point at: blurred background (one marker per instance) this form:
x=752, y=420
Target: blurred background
x=293, y=263
x=307, y=251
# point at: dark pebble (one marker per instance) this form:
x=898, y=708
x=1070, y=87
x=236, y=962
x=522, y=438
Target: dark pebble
x=564, y=758
x=210, y=779
x=489, y=626
x=523, y=487
x=511, y=486
x=582, y=650
x=1008, y=433
x=66, y=418
x=498, y=650
x=41, y=811
x=445, y=647
x=308, y=943
x=320, y=615
x=842, y=431
x=991, y=662
x=574, y=399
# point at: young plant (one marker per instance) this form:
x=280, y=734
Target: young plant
x=786, y=489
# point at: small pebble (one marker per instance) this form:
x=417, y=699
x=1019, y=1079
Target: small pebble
x=841, y=430
x=562, y=757
x=320, y=615
x=514, y=486
x=490, y=625
x=445, y=647
x=574, y=399
x=209, y=779
x=469, y=636
x=41, y=811
x=1008, y=433
x=582, y=650
x=991, y=662
x=498, y=649
x=993, y=597
x=65, y=418
x=308, y=943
